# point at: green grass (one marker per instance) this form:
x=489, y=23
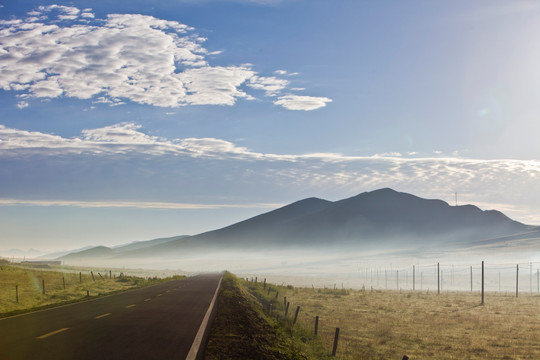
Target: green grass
x=29, y=281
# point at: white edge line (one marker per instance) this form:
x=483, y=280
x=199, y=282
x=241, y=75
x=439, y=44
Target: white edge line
x=197, y=342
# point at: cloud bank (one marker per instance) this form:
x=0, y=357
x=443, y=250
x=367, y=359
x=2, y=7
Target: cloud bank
x=131, y=204
x=128, y=162
x=62, y=51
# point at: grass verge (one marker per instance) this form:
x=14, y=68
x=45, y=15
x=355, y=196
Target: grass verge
x=245, y=329
x=21, y=288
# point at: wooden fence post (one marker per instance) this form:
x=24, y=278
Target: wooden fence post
x=316, y=324
x=110, y=274
x=336, y=338
x=296, y=314
x=517, y=280
x=438, y=279
x=43, y=284
x=80, y=277
x=17, y=293
x=93, y=279
x=482, y=282
x=287, y=308
x=264, y=284
x=64, y=282
x=87, y=293
x=413, y=278
x=471, y=278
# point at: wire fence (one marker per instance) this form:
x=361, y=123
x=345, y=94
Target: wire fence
x=521, y=278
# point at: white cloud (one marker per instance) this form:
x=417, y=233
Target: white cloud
x=271, y=85
x=391, y=154
x=127, y=146
x=22, y=104
x=61, y=51
x=306, y=103
x=131, y=204
x=88, y=15
x=215, y=85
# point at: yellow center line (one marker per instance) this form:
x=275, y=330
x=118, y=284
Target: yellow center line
x=148, y=299
x=102, y=316
x=159, y=294
x=130, y=306
x=51, y=333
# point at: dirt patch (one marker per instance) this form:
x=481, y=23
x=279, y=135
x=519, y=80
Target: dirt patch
x=239, y=331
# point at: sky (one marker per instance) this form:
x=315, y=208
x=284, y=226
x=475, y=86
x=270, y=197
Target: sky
x=132, y=120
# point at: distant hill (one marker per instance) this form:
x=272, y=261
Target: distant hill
x=57, y=254
x=137, y=245
x=373, y=219
x=106, y=252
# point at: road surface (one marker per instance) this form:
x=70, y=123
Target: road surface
x=156, y=322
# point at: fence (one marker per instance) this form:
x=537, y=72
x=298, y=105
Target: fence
x=518, y=278
x=482, y=279
x=22, y=286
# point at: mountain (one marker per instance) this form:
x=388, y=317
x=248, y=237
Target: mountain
x=373, y=219
x=106, y=252
x=58, y=254
x=137, y=245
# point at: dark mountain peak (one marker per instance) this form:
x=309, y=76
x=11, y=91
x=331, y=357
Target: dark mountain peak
x=374, y=218
x=308, y=204
x=96, y=251
x=388, y=203
x=287, y=212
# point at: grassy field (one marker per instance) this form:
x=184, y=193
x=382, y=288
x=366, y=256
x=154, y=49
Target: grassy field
x=29, y=281
x=390, y=324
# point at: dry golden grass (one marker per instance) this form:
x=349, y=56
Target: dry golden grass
x=390, y=324
x=30, y=281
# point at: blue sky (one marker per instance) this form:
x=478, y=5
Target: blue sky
x=124, y=121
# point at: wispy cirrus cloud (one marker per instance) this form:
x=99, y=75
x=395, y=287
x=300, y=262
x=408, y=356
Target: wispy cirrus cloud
x=133, y=204
x=64, y=51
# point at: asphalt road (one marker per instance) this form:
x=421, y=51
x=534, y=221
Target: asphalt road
x=156, y=322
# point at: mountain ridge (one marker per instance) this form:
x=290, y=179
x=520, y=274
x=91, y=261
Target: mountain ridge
x=382, y=217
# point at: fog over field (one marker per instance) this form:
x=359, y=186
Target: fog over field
x=362, y=241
